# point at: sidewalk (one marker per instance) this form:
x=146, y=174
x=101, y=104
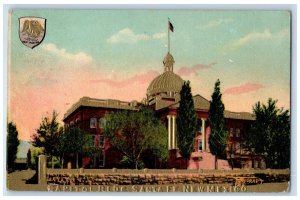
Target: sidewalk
x=16, y=181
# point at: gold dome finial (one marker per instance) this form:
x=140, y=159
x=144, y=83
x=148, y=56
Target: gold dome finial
x=168, y=62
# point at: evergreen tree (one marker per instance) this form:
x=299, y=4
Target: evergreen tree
x=270, y=134
x=29, y=158
x=186, y=123
x=12, y=145
x=218, y=135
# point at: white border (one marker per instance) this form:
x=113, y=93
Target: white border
x=141, y=4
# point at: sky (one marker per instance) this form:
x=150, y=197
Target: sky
x=115, y=54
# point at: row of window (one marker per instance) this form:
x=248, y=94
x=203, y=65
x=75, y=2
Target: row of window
x=234, y=148
x=102, y=123
x=236, y=131
x=93, y=122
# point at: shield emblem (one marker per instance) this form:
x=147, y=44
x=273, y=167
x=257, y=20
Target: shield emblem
x=32, y=31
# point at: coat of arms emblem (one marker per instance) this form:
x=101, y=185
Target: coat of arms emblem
x=32, y=30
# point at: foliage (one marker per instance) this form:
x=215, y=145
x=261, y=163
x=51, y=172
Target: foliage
x=12, y=145
x=76, y=141
x=127, y=163
x=186, y=122
x=47, y=135
x=133, y=132
x=269, y=135
x=35, y=152
x=218, y=135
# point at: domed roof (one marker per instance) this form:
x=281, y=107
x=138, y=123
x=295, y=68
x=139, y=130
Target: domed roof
x=166, y=82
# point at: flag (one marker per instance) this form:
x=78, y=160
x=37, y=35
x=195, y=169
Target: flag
x=171, y=26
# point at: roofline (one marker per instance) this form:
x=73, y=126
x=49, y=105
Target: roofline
x=101, y=103
x=231, y=112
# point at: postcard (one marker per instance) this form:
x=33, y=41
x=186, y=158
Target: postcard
x=149, y=101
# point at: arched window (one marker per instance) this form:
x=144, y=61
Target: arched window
x=238, y=132
x=231, y=132
x=93, y=122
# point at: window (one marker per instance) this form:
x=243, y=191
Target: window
x=93, y=122
x=199, y=125
x=94, y=140
x=102, y=123
x=237, y=147
x=101, y=159
x=200, y=145
x=238, y=132
x=231, y=132
x=101, y=141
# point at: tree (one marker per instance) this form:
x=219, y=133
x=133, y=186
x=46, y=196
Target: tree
x=35, y=152
x=29, y=158
x=218, y=135
x=186, y=123
x=75, y=141
x=270, y=135
x=12, y=145
x=134, y=132
x=47, y=136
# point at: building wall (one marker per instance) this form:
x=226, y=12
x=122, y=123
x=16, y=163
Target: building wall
x=200, y=158
x=82, y=119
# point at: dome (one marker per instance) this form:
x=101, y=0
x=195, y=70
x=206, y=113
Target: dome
x=166, y=82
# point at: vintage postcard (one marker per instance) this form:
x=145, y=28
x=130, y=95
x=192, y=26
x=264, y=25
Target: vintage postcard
x=149, y=101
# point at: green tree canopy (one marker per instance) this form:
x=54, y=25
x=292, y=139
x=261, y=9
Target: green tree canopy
x=186, y=122
x=47, y=135
x=76, y=141
x=218, y=134
x=12, y=145
x=134, y=132
x=270, y=134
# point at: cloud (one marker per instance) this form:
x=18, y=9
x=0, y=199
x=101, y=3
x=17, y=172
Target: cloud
x=81, y=57
x=252, y=37
x=245, y=88
x=144, y=78
x=128, y=36
x=187, y=71
x=214, y=23
x=256, y=36
x=159, y=35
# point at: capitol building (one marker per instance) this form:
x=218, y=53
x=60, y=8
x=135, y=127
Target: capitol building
x=163, y=96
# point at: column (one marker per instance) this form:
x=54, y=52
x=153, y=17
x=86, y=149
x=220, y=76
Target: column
x=173, y=132
x=42, y=169
x=203, y=134
x=169, y=132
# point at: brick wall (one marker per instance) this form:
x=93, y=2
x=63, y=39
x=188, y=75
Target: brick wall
x=161, y=177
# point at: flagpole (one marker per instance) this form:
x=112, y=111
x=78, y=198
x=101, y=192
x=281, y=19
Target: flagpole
x=168, y=35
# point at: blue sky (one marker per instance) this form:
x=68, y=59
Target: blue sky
x=105, y=54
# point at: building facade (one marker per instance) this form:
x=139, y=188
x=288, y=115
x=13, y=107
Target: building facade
x=163, y=96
